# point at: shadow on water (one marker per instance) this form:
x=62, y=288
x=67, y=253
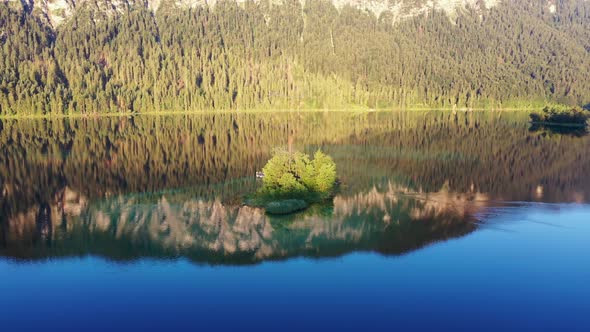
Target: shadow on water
x=559, y=130
x=171, y=187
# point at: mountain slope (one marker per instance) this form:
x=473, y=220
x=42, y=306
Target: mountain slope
x=55, y=12
x=103, y=56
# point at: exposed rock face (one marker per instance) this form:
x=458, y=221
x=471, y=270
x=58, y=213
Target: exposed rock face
x=55, y=12
x=403, y=9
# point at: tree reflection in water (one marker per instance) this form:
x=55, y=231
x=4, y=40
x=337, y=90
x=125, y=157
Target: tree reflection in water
x=126, y=188
x=172, y=225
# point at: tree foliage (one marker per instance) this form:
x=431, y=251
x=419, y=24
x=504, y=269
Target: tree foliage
x=294, y=174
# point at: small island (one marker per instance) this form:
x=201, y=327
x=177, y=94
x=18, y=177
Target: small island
x=293, y=180
x=561, y=115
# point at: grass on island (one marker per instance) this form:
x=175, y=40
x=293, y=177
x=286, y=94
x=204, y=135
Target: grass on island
x=293, y=180
x=286, y=206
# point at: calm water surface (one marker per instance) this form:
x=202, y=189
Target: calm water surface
x=442, y=222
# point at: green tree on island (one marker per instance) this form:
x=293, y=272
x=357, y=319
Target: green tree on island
x=292, y=180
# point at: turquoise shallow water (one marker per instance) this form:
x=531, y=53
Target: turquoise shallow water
x=467, y=222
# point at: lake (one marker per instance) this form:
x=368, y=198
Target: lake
x=473, y=221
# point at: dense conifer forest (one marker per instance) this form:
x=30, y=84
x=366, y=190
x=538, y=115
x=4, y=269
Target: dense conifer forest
x=263, y=56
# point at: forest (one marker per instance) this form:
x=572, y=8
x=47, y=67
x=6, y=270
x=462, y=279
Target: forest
x=258, y=55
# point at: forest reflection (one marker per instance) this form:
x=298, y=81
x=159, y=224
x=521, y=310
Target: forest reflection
x=171, y=225
x=172, y=186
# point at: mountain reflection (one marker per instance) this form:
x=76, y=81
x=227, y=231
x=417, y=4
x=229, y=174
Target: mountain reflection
x=391, y=222
x=171, y=186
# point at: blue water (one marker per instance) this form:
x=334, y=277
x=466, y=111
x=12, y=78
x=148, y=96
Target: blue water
x=526, y=268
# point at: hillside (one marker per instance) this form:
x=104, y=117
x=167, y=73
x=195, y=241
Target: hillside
x=88, y=56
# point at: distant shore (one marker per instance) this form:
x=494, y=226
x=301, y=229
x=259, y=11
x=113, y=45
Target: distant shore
x=250, y=111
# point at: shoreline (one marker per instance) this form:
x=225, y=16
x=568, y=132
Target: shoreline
x=251, y=111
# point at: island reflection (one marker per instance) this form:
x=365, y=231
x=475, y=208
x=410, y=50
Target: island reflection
x=391, y=222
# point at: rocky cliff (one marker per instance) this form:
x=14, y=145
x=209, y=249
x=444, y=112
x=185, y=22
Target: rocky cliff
x=55, y=12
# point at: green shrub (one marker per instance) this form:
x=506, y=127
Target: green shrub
x=287, y=183
x=295, y=176
x=287, y=173
x=324, y=175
